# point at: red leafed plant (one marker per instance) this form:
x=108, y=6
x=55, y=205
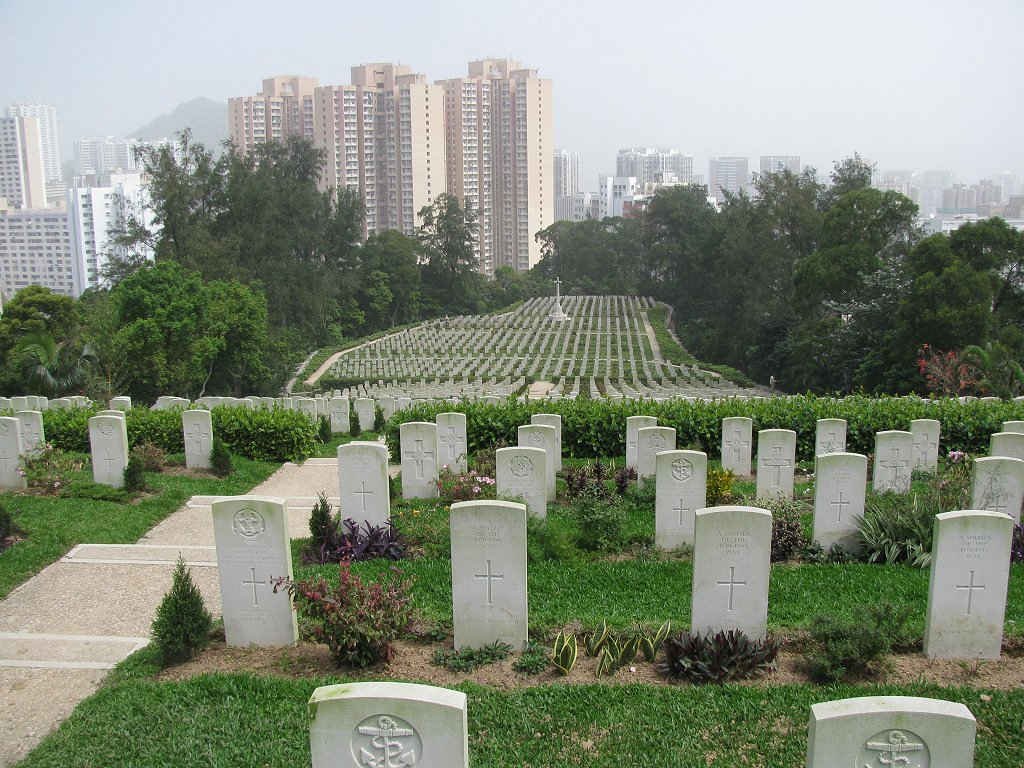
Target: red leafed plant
x=945, y=372
x=357, y=619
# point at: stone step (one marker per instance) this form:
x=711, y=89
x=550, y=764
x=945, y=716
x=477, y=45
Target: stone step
x=142, y=554
x=35, y=650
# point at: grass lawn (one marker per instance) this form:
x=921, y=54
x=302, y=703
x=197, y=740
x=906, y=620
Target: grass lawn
x=52, y=525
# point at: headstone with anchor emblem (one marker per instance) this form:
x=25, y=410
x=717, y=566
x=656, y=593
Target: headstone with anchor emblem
x=539, y=436
x=839, y=491
x=680, y=490
x=889, y=731
x=522, y=474
x=253, y=549
x=388, y=725
x=108, y=446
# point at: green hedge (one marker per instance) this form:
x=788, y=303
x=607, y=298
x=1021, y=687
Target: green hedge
x=267, y=435
x=592, y=428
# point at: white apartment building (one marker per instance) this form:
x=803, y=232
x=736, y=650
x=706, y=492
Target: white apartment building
x=100, y=155
x=568, y=178
x=780, y=163
x=383, y=136
x=22, y=174
x=97, y=214
x=49, y=138
x=727, y=175
x=35, y=249
x=648, y=164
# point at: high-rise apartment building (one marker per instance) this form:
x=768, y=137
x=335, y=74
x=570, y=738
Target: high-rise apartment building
x=35, y=249
x=499, y=141
x=649, y=165
x=568, y=178
x=49, y=139
x=99, y=155
x=383, y=136
x=22, y=168
x=727, y=175
x=283, y=108
x=97, y=214
x=780, y=163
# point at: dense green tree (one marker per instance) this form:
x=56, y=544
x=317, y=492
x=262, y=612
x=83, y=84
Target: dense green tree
x=451, y=278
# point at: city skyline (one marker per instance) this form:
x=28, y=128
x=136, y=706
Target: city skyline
x=825, y=96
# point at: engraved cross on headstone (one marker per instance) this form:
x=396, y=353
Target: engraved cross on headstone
x=732, y=583
x=490, y=577
x=994, y=497
x=452, y=443
x=970, y=587
x=362, y=493
x=736, y=444
x=777, y=463
x=681, y=510
x=896, y=464
x=418, y=456
x=924, y=444
x=831, y=444
x=252, y=582
x=840, y=505
x=196, y=435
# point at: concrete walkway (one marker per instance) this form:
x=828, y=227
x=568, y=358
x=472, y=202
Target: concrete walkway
x=63, y=629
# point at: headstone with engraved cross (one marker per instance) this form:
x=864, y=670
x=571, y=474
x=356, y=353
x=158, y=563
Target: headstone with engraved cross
x=10, y=453
x=419, y=459
x=839, y=489
x=894, y=461
x=363, y=482
x=108, y=445
x=197, y=429
x=521, y=473
x=776, y=463
x=830, y=436
x=891, y=732
x=681, y=484
x=998, y=485
x=737, y=439
x=1007, y=444
x=650, y=441
x=539, y=436
x=488, y=546
x=33, y=438
x=253, y=549
x=388, y=725
x=926, y=443
x=451, y=441
x=633, y=425
x=967, y=590
x=552, y=420
x=731, y=565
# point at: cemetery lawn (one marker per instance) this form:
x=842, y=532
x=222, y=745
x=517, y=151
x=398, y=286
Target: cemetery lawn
x=246, y=720
x=52, y=525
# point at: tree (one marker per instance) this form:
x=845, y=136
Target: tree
x=451, y=277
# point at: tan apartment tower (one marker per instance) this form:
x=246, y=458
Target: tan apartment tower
x=22, y=166
x=383, y=136
x=283, y=108
x=500, y=143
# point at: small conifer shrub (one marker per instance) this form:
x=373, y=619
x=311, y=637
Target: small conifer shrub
x=182, y=624
x=324, y=430
x=135, y=474
x=220, y=458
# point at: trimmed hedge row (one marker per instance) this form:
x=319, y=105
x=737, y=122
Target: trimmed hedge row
x=592, y=428
x=267, y=435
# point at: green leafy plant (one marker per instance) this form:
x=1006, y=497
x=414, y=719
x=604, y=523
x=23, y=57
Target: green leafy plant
x=650, y=642
x=470, y=486
x=182, y=624
x=6, y=524
x=594, y=641
x=788, y=537
x=152, y=456
x=564, y=652
x=897, y=528
x=321, y=523
x=719, y=486
x=841, y=649
x=357, y=620
x=468, y=659
x=533, y=660
x=601, y=525
x=50, y=469
x=718, y=657
x=134, y=474
x=87, y=489
x=324, y=434
x=547, y=541
x=220, y=459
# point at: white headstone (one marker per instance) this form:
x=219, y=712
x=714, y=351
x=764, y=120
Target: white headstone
x=388, y=725
x=650, y=441
x=880, y=731
x=894, y=461
x=737, y=442
x=1007, y=444
x=680, y=490
x=830, y=436
x=121, y=403
x=5, y=404
x=840, y=485
x=633, y=424
x=998, y=485
x=57, y=404
x=419, y=459
x=339, y=413
x=197, y=431
x=926, y=444
x=19, y=403
x=776, y=463
x=116, y=414
x=731, y=566
x=33, y=438
x=452, y=445
x=488, y=540
x=363, y=482
x=967, y=590
x=539, y=436
x=108, y=445
x=10, y=453
x=522, y=474
x=552, y=420
x=1013, y=426
x=307, y=406
x=253, y=549
x=388, y=406
x=365, y=412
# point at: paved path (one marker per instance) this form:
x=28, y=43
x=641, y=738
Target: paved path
x=63, y=629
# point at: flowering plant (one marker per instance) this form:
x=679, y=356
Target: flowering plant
x=465, y=487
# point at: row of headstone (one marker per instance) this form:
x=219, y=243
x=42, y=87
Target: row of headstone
x=389, y=724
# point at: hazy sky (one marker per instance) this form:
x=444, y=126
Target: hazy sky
x=908, y=83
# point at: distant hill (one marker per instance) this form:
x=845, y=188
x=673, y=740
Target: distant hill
x=207, y=118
